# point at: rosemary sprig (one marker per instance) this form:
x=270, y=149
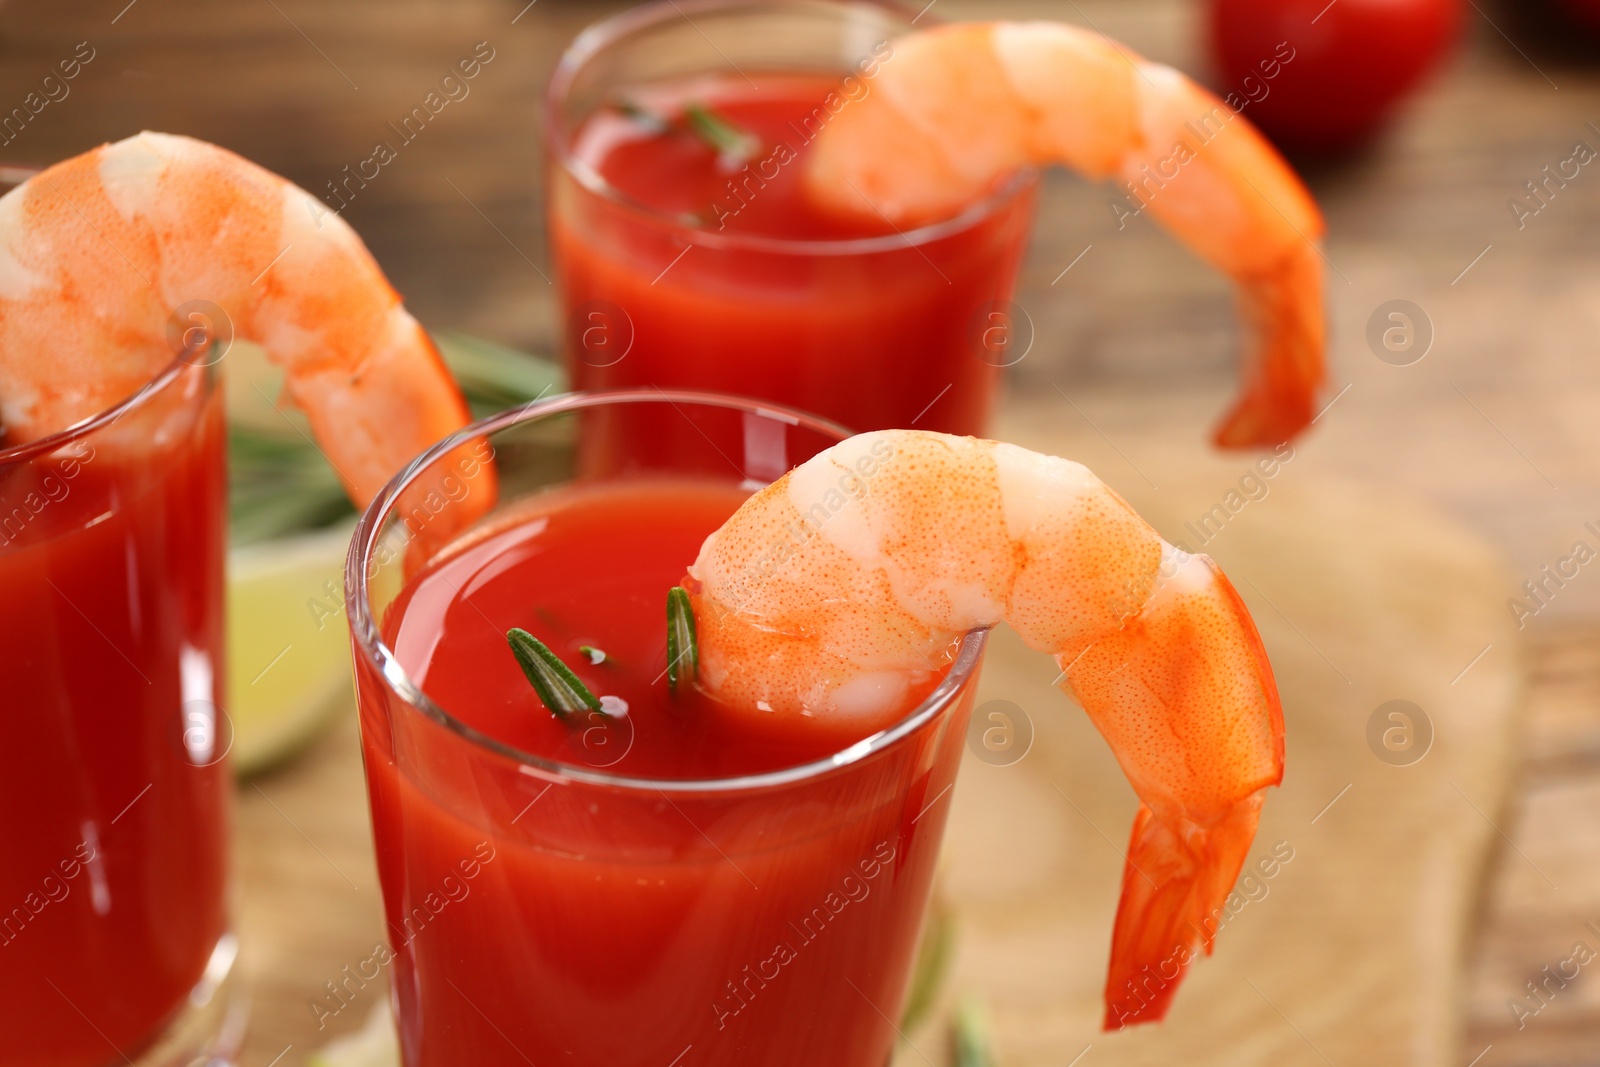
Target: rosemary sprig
x=278, y=485
x=278, y=481
x=969, y=1037
x=643, y=116
x=734, y=143
x=493, y=377
x=683, y=646
x=561, y=690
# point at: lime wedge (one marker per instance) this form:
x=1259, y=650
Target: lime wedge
x=288, y=653
x=374, y=1045
x=253, y=386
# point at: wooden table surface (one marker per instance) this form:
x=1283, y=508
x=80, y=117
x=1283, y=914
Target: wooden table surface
x=1497, y=424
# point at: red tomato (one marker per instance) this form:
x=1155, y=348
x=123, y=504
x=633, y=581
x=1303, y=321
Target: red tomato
x=1319, y=76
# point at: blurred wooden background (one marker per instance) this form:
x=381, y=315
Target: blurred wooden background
x=1498, y=424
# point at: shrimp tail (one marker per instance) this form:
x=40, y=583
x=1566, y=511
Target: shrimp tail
x=1283, y=374
x=1185, y=696
x=1174, y=889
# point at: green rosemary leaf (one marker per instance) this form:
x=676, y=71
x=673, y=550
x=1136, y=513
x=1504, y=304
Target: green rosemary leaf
x=560, y=689
x=643, y=116
x=969, y=1037
x=735, y=143
x=493, y=377
x=279, y=484
x=683, y=647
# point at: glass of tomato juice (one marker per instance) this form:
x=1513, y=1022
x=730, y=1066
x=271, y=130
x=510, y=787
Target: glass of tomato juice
x=114, y=933
x=658, y=884
x=682, y=264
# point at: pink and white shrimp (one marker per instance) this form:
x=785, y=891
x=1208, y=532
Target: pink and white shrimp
x=957, y=108
x=98, y=251
x=832, y=592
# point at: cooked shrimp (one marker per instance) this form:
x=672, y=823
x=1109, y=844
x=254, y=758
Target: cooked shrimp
x=956, y=108
x=97, y=252
x=834, y=590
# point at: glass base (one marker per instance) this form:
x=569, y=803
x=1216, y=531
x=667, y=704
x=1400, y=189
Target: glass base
x=209, y=1028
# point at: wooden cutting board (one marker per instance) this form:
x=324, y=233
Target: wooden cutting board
x=1352, y=953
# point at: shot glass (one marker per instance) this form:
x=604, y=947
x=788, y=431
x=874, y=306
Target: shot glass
x=114, y=927
x=895, y=329
x=556, y=911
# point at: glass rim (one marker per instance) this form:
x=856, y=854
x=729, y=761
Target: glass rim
x=51, y=442
x=369, y=642
x=598, y=36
